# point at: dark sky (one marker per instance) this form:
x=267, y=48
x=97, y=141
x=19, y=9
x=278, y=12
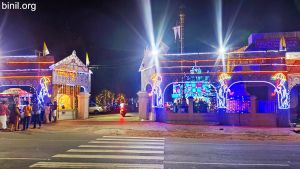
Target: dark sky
x=113, y=34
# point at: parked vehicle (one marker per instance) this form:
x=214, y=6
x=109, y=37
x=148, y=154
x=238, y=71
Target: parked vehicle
x=95, y=109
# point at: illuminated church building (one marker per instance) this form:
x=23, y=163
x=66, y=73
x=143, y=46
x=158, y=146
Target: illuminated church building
x=256, y=85
x=38, y=78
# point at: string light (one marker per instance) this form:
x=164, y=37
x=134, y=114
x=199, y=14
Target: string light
x=22, y=77
x=241, y=72
x=52, y=62
x=174, y=67
x=213, y=60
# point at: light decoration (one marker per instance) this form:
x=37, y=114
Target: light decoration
x=67, y=74
x=216, y=53
x=30, y=62
x=223, y=90
x=241, y=72
x=282, y=92
x=44, y=91
x=22, y=77
x=199, y=90
x=195, y=70
x=213, y=60
x=212, y=66
x=157, y=99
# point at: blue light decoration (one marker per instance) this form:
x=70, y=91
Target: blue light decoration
x=157, y=100
x=223, y=90
x=195, y=70
x=200, y=90
x=282, y=92
x=44, y=91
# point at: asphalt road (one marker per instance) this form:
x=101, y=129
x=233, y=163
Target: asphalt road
x=79, y=149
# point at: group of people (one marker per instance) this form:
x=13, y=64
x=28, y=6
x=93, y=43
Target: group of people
x=34, y=113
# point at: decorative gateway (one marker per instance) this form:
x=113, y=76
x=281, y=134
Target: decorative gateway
x=70, y=76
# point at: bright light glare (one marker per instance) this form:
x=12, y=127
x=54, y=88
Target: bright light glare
x=221, y=50
x=154, y=52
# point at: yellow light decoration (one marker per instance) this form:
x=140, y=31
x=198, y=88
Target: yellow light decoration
x=66, y=74
x=64, y=100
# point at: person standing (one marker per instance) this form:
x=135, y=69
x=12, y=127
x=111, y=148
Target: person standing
x=27, y=115
x=36, y=111
x=54, y=113
x=4, y=112
x=14, y=117
x=47, y=112
x=42, y=116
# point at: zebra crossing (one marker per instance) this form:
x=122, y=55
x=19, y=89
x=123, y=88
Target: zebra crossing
x=111, y=152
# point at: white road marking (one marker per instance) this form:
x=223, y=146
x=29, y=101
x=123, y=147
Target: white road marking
x=115, y=151
x=156, y=138
x=229, y=164
x=16, y=158
x=120, y=139
x=117, y=146
x=94, y=165
x=110, y=156
x=239, y=144
x=110, y=142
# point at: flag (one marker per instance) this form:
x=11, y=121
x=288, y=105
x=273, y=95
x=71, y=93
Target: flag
x=87, y=60
x=282, y=45
x=45, y=50
x=176, y=30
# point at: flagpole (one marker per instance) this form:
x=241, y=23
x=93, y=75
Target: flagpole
x=181, y=18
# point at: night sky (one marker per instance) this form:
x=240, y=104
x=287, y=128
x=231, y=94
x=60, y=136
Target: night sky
x=113, y=34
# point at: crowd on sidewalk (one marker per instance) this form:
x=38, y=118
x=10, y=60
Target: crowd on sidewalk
x=12, y=116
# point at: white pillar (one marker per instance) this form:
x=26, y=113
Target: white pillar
x=83, y=105
x=143, y=99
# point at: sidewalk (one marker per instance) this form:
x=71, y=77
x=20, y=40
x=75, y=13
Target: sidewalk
x=137, y=128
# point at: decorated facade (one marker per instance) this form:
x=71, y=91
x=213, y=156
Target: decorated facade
x=70, y=76
x=256, y=85
x=46, y=81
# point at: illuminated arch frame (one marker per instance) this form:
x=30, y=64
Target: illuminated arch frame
x=163, y=94
x=278, y=101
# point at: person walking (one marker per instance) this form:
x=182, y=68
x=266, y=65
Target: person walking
x=27, y=114
x=36, y=112
x=4, y=112
x=14, y=117
x=47, y=113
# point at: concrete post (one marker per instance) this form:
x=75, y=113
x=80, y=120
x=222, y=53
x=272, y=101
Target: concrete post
x=283, y=118
x=143, y=100
x=83, y=105
x=253, y=104
x=191, y=105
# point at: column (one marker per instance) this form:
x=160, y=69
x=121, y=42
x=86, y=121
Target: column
x=143, y=100
x=253, y=104
x=191, y=105
x=83, y=105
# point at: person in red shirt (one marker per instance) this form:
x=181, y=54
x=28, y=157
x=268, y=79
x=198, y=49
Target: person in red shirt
x=4, y=112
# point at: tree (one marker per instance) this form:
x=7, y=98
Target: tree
x=121, y=98
x=105, y=98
